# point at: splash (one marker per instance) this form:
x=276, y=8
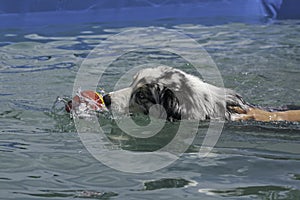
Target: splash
x=84, y=104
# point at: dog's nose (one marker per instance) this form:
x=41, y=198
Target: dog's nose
x=107, y=100
x=68, y=106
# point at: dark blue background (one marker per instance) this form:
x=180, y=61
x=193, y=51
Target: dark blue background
x=44, y=12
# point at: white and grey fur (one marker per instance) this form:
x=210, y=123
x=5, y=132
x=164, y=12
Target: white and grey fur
x=181, y=95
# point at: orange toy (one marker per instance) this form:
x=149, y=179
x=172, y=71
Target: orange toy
x=91, y=99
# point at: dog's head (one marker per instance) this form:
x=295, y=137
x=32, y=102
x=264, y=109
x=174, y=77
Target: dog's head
x=149, y=94
x=156, y=98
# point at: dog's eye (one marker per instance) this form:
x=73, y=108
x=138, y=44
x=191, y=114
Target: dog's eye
x=140, y=95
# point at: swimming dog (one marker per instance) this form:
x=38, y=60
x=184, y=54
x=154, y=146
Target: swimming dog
x=172, y=94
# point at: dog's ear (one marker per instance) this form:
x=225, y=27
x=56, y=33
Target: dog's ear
x=170, y=103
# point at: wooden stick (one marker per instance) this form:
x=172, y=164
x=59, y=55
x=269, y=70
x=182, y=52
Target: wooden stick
x=266, y=116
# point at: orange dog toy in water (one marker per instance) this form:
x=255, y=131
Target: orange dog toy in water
x=89, y=99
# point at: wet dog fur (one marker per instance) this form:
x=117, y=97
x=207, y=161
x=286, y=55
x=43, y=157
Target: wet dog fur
x=176, y=95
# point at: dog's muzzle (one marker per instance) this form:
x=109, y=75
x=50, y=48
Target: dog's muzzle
x=107, y=100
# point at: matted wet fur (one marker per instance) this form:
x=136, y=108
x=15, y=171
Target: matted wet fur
x=177, y=95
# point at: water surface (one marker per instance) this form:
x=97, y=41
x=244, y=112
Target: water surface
x=42, y=156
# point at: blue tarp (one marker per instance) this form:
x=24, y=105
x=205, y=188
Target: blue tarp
x=41, y=12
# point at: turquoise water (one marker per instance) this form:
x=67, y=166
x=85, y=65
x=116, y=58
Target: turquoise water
x=42, y=156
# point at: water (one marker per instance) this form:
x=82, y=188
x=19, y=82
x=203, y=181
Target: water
x=42, y=156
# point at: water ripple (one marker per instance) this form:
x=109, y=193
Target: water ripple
x=28, y=69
